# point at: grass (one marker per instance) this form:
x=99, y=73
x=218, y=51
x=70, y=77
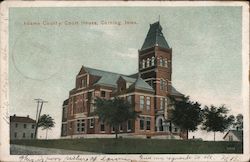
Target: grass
x=138, y=146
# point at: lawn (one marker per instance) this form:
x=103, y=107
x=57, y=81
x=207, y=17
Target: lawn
x=138, y=146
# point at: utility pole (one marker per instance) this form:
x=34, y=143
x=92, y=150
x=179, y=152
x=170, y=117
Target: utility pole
x=38, y=112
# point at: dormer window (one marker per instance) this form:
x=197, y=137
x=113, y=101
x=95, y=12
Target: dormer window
x=148, y=62
x=153, y=61
x=84, y=82
x=143, y=63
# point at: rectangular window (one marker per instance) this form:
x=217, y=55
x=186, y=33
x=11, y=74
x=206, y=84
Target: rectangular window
x=31, y=135
x=129, y=125
x=166, y=103
x=103, y=93
x=15, y=134
x=24, y=125
x=78, y=126
x=33, y=126
x=64, y=113
x=83, y=126
x=121, y=128
x=23, y=135
x=148, y=123
x=102, y=127
x=148, y=103
x=142, y=123
x=91, y=123
x=129, y=98
x=141, y=102
x=161, y=84
x=162, y=103
x=16, y=125
x=175, y=129
x=112, y=129
x=84, y=82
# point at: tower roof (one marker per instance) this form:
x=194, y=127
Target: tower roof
x=155, y=37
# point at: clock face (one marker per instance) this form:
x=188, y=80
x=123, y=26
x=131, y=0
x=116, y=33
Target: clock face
x=36, y=59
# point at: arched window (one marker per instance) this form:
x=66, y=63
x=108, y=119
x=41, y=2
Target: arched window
x=153, y=61
x=143, y=63
x=161, y=61
x=148, y=62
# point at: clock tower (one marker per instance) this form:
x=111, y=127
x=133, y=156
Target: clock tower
x=155, y=64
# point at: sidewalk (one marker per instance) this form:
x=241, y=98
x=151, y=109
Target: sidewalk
x=30, y=150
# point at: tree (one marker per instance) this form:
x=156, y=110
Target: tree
x=216, y=119
x=187, y=114
x=114, y=112
x=239, y=122
x=46, y=122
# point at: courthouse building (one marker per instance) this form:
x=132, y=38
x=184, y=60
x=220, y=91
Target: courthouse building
x=149, y=91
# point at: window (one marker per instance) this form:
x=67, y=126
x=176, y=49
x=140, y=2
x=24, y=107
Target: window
x=166, y=103
x=84, y=82
x=33, y=126
x=153, y=61
x=129, y=125
x=143, y=63
x=161, y=84
x=175, y=129
x=102, y=127
x=148, y=62
x=141, y=102
x=16, y=125
x=142, y=123
x=64, y=113
x=23, y=135
x=103, y=93
x=161, y=61
x=91, y=123
x=15, y=134
x=78, y=125
x=148, y=103
x=24, y=125
x=83, y=126
x=31, y=135
x=121, y=128
x=161, y=103
x=166, y=63
x=148, y=123
x=112, y=129
x=129, y=98
x=230, y=138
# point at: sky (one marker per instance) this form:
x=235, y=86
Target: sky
x=48, y=46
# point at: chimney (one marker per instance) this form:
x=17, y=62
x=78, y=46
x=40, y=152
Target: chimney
x=14, y=115
x=28, y=116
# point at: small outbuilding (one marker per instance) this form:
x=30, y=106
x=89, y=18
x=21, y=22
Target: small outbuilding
x=234, y=135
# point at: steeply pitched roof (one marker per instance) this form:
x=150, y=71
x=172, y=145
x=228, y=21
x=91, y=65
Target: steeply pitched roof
x=129, y=79
x=237, y=133
x=141, y=84
x=155, y=37
x=107, y=78
x=174, y=92
x=110, y=79
x=21, y=119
